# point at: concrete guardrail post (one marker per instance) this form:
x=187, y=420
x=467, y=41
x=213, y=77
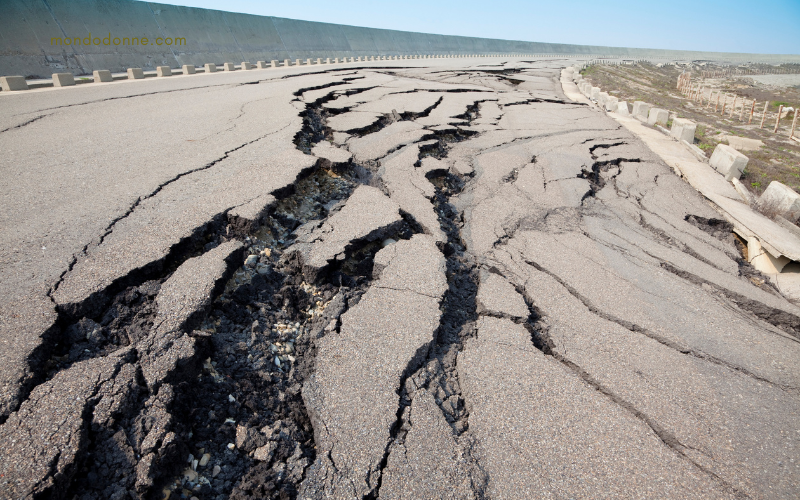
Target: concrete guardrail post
x=725, y=160
x=327, y=60
x=782, y=198
x=188, y=69
x=63, y=79
x=683, y=130
x=8, y=83
x=641, y=110
x=135, y=74
x=229, y=67
x=102, y=75
x=210, y=68
x=658, y=116
x=163, y=71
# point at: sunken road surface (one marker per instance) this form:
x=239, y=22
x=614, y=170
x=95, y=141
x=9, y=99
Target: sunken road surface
x=434, y=279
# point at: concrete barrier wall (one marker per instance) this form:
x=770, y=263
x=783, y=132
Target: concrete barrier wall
x=27, y=27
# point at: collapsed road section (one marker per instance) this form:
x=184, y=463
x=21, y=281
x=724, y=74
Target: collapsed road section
x=430, y=281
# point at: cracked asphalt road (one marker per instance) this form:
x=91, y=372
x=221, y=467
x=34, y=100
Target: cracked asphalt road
x=440, y=279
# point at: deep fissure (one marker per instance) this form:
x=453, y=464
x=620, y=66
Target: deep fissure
x=437, y=372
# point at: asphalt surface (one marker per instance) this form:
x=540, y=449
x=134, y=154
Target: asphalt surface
x=466, y=286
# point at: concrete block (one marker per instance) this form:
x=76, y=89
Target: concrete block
x=8, y=83
x=622, y=108
x=308, y=62
x=261, y=65
x=611, y=103
x=63, y=79
x=102, y=75
x=245, y=65
x=683, y=130
x=273, y=63
x=602, y=97
x=188, y=69
x=781, y=198
x=210, y=68
x=327, y=60
x=298, y=62
x=725, y=160
x=659, y=116
x=163, y=71
x=641, y=110
x=286, y=63
x=138, y=74
x=595, y=93
x=229, y=67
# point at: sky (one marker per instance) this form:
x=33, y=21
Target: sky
x=755, y=26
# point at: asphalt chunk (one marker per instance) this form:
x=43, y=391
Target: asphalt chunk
x=381, y=340
x=368, y=215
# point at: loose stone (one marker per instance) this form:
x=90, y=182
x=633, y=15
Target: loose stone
x=189, y=474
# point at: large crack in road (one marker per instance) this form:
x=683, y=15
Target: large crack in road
x=428, y=281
